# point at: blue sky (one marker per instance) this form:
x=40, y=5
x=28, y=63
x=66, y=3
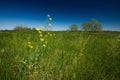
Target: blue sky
x=33, y=13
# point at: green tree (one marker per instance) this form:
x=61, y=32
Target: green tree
x=93, y=25
x=86, y=26
x=73, y=27
x=21, y=28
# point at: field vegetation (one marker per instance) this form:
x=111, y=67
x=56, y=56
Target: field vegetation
x=61, y=55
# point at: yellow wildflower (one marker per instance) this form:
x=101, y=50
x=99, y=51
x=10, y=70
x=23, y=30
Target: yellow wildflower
x=29, y=42
x=48, y=15
x=41, y=39
x=30, y=46
x=44, y=45
x=50, y=19
x=40, y=35
x=38, y=29
x=49, y=24
x=39, y=32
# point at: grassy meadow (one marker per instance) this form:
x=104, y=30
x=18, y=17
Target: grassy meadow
x=60, y=55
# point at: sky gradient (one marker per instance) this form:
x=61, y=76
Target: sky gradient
x=33, y=13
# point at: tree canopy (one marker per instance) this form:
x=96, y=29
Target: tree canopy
x=93, y=25
x=74, y=27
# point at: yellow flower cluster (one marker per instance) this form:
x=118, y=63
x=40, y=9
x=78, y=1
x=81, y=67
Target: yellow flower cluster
x=49, y=25
x=44, y=45
x=49, y=17
x=30, y=44
x=39, y=31
x=42, y=40
x=49, y=34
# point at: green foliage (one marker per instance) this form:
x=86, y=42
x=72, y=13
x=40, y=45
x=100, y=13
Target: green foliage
x=21, y=28
x=94, y=25
x=73, y=27
x=67, y=56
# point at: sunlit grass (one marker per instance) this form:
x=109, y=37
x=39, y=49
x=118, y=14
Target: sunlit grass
x=67, y=55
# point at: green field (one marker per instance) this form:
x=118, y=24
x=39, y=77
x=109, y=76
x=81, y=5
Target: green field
x=62, y=55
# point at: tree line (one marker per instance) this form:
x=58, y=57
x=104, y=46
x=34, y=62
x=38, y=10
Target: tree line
x=93, y=25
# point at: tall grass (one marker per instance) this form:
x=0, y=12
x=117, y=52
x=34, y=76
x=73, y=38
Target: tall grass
x=67, y=56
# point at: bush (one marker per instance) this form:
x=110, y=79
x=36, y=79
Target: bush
x=21, y=28
x=73, y=27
